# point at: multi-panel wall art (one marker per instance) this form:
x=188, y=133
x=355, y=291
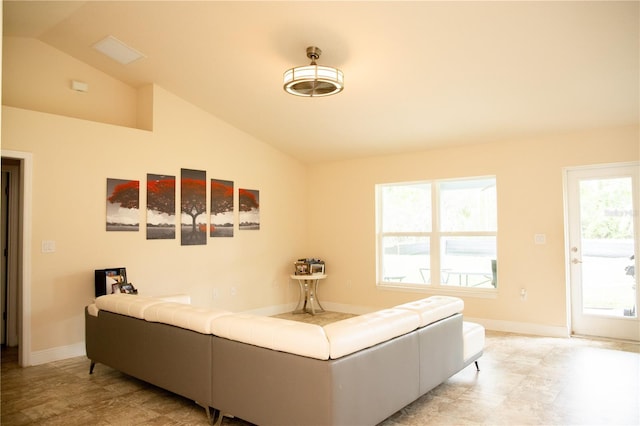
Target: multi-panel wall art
x=123, y=205
x=161, y=207
x=221, y=209
x=249, y=216
x=193, y=206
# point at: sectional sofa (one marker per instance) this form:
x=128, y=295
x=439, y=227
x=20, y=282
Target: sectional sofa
x=271, y=371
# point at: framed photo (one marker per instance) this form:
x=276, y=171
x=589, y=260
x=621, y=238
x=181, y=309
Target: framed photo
x=317, y=268
x=128, y=288
x=302, y=268
x=106, y=278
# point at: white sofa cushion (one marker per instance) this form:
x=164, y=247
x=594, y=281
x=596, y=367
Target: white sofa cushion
x=273, y=333
x=434, y=308
x=353, y=334
x=93, y=310
x=473, y=339
x=184, y=316
x=126, y=304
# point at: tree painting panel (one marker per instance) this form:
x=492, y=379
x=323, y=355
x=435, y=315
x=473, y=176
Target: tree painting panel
x=161, y=207
x=221, y=208
x=123, y=205
x=249, y=216
x=193, y=206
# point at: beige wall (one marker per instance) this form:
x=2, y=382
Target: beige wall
x=72, y=158
x=529, y=176
x=38, y=77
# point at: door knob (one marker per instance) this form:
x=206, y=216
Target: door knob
x=576, y=261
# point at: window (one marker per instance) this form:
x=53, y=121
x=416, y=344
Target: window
x=437, y=234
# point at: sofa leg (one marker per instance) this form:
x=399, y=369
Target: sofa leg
x=91, y=367
x=477, y=366
x=219, y=420
x=214, y=416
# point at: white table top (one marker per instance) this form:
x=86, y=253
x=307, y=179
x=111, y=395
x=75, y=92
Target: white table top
x=309, y=277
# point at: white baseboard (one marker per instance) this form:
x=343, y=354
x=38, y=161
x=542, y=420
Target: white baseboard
x=489, y=324
x=521, y=327
x=56, y=354
x=329, y=306
x=272, y=310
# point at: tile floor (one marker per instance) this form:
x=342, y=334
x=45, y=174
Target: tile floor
x=524, y=380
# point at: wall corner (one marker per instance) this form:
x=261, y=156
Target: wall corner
x=145, y=107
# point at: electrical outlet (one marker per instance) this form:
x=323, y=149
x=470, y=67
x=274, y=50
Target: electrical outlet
x=216, y=293
x=523, y=294
x=234, y=291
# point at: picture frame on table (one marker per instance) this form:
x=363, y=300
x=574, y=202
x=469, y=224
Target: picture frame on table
x=302, y=268
x=316, y=269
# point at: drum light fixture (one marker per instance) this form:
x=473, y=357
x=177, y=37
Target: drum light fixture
x=313, y=80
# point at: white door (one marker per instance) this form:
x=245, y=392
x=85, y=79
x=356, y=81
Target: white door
x=602, y=210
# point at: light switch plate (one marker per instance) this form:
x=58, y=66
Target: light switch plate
x=48, y=246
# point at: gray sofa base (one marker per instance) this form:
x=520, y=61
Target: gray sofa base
x=268, y=387
x=169, y=357
x=283, y=389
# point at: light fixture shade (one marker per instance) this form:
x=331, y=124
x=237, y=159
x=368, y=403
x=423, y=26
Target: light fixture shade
x=313, y=80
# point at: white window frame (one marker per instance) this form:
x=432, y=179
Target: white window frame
x=435, y=235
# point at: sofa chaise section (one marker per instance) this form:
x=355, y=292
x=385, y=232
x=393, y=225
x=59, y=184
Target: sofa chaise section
x=171, y=357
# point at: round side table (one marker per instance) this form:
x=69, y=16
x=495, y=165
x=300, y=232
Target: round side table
x=308, y=293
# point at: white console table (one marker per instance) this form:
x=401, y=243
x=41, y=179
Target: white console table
x=308, y=293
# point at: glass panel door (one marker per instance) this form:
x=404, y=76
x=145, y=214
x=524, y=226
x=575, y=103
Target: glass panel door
x=603, y=224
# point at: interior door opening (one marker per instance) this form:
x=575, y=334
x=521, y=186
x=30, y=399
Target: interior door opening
x=11, y=243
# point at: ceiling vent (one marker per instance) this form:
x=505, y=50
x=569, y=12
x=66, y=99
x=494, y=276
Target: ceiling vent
x=117, y=50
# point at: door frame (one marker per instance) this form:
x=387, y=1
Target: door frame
x=25, y=232
x=568, y=253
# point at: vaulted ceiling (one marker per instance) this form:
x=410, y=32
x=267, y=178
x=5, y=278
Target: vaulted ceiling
x=418, y=74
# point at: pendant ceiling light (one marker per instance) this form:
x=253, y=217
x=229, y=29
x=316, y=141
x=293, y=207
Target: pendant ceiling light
x=313, y=80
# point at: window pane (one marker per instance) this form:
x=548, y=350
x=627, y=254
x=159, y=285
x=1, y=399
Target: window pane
x=468, y=205
x=607, y=234
x=468, y=261
x=406, y=259
x=406, y=208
